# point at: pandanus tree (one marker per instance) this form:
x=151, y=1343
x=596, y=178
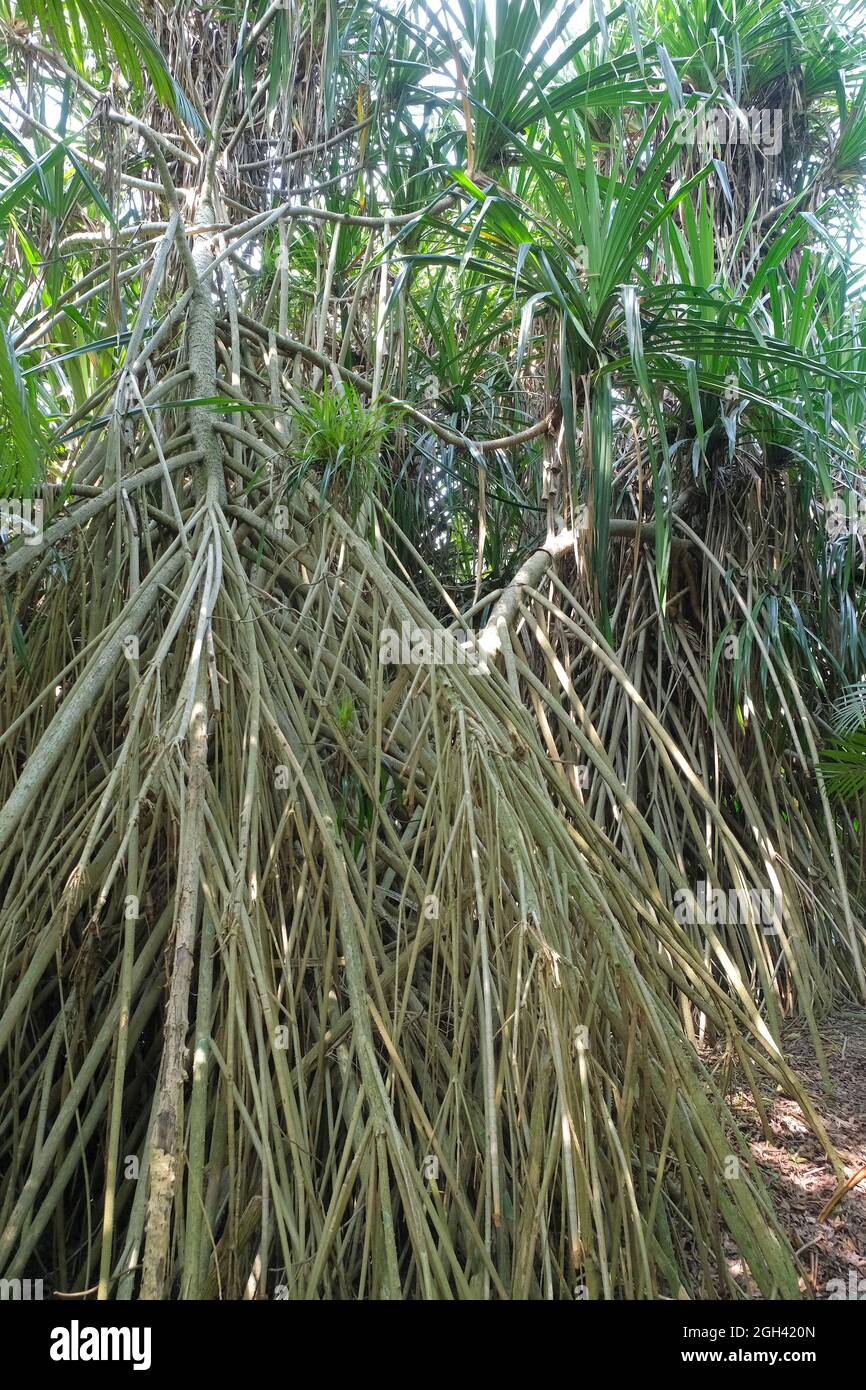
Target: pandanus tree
x=332, y=334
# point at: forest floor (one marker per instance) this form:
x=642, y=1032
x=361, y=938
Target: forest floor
x=796, y=1169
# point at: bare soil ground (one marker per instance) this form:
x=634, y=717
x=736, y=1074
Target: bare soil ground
x=800, y=1178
